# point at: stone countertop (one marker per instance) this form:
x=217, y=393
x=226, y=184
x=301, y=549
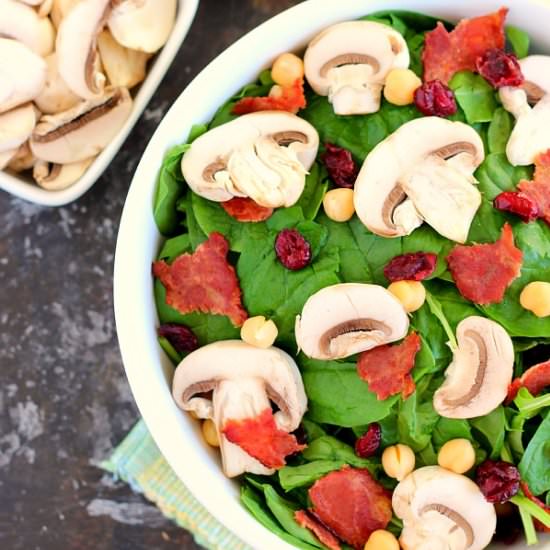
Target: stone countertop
x=64, y=399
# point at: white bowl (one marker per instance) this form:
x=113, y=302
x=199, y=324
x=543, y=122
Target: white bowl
x=148, y=369
x=28, y=190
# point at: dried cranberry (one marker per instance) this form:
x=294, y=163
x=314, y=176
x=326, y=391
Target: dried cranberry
x=292, y=249
x=498, y=480
x=499, y=68
x=340, y=165
x=181, y=337
x=369, y=442
x=517, y=203
x=434, y=98
x=415, y=266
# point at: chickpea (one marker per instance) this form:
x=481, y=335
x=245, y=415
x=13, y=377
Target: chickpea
x=535, y=297
x=338, y=204
x=382, y=540
x=398, y=461
x=259, y=332
x=286, y=69
x=457, y=455
x=276, y=91
x=411, y=294
x=210, y=433
x=400, y=86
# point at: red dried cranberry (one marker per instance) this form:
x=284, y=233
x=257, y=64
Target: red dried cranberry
x=369, y=442
x=498, y=480
x=499, y=68
x=340, y=165
x=181, y=337
x=434, y=98
x=415, y=266
x=517, y=203
x=292, y=249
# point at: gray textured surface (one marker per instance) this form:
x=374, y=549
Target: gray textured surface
x=64, y=399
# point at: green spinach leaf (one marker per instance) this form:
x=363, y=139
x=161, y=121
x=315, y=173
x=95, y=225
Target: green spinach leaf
x=519, y=40
x=534, y=467
x=475, y=96
x=291, y=477
x=490, y=431
x=499, y=131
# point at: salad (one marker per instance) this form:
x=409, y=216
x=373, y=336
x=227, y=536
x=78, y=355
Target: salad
x=355, y=285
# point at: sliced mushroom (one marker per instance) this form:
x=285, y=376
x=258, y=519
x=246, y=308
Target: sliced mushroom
x=476, y=381
x=262, y=155
x=530, y=135
x=344, y=319
x=348, y=62
x=22, y=23
x=22, y=74
x=22, y=160
x=83, y=131
x=55, y=177
x=124, y=67
x=441, y=509
x=56, y=96
x=45, y=8
x=142, y=24
x=16, y=126
x=77, y=57
x=60, y=9
x=232, y=380
x=421, y=172
x=6, y=157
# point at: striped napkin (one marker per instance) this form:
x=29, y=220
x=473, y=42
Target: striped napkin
x=138, y=461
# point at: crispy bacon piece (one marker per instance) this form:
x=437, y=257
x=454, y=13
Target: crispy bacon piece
x=351, y=504
x=244, y=209
x=527, y=492
x=387, y=369
x=203, y=281
x=538, y=190
x=261, y=438
x=292, y=99
x=535, y=379
x=304, y=519
x=445, y=53
x=483, y=272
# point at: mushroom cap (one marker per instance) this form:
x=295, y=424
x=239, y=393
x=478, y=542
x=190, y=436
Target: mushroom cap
x=439, y=506
x=22, y=74
x=16, y=126
x=22, y=23
x=59, y=9
x=354, y=42
x=454, y=148
x=477, y=380
x=344, y=319
x=143, y=25
x=82, y=131
x=76, y=47
x=22, y=160
x=55, y=177
x=6, y=157
x=211, y=152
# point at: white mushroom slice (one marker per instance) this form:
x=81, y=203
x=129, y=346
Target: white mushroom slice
x=83, y=131
x=142, y=24
x=43, y=6
x=477, y=380
x=23, y=24
x=22, y=74
x=348, y=62
x=242, y=379
x=56, y=96
x=124, y=67
x=423, y=171
x=263, y=155
x=442, y=510
x=16, y=126
x=60, y=9
x=55, y=177
x=6, y=157
x=77, y=58
x=22, y=160
x=344, y=319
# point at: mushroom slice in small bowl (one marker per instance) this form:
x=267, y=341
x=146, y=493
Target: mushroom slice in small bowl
x=264, y=156
x=16, y=126
x=83, y=131
x=349, y=61
x=22, y=160
x=421, y=172
x=477, y=380
x=344, y=319
x=232, y=380
x=6, y=157
x=55, y=177
x=441, y=509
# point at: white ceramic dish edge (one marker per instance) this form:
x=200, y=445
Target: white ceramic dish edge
x=29, y=191
x=149, y=371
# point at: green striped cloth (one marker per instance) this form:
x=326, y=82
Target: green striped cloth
x=138, y=461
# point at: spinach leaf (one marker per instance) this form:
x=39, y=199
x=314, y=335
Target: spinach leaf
x=499, y=131
x=490, y=431
x=174, y=247
x=519, y=40
x=313, y=430
x=388, y=428
x=534, y=467
x=496, y=174
x=291, y=477
x=475, y=96
x=451, y=428
x=169, y=349
x=316, y=186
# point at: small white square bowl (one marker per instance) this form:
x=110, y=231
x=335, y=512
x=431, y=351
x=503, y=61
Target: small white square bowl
x=26, y=189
